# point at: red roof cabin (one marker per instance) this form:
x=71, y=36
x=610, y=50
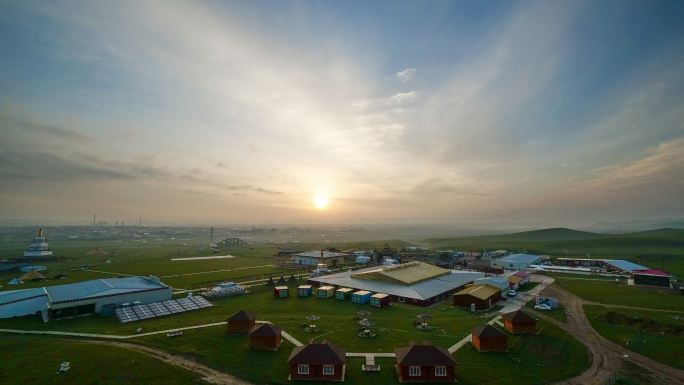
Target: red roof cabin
x=424, y=363
x=519, y=322
x=265, y=337
x=487, y=338
x=241, y=322
x=317, y=361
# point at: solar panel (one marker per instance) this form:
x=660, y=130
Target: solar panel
x=173, y=306
x=200, y=301
x=159, y=309
x=125, y=315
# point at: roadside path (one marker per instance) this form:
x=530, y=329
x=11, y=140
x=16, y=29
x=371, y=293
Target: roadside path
x=208, y=374
x=108, y=336
x=606, y=356
x=631, y=307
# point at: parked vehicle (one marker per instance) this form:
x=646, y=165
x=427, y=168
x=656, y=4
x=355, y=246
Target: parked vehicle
x=512, y=293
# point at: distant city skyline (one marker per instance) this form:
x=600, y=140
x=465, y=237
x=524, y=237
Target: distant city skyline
x=535, y=112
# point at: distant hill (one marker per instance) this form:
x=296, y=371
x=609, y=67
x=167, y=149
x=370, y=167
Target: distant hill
x=551, y=234
x=661, y=248
x=658, y=233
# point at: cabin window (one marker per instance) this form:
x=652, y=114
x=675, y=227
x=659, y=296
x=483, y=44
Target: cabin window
x=303, y=369
x=414, y=370
x=440, y=371
x=401, y=299
x=328, y=369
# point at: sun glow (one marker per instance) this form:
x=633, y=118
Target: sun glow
x=320, y=202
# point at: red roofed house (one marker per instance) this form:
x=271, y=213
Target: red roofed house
x=519, y=322
x=651, y=277
x=424, y=363
x=265, y=337
x=241, y=322
x=318, y=361
x=487, y=338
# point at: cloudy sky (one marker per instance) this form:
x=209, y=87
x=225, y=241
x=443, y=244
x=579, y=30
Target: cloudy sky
x=555, y=112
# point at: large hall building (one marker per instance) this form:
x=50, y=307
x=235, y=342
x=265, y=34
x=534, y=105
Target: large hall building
x=416, y=283
x=95, y=296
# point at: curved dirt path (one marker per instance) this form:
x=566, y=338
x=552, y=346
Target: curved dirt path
x=208, y=374
x=607, y=357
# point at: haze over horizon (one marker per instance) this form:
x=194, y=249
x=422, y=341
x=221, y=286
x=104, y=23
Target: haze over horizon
x=536, y=112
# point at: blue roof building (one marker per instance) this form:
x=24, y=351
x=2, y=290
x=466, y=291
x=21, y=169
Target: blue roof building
x=516, y=261
x=82, y=297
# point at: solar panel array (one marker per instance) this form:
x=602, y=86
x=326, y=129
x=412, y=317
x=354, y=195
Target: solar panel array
x=160, y=309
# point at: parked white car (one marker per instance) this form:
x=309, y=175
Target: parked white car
x=512, y=293
x=543, y=307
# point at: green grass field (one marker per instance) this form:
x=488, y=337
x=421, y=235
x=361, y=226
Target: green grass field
x=551, y=356
x=394, y=326
x=28, y=360
x=662, y=347
x=614, y=293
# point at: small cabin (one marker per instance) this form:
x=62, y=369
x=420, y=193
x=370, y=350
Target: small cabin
x=325, y=292
x=379, y=300
x=241, y=322
x=343, y=294
x=281, y=292
x=519, y=322
x=265, y=337
x=361, y=297
x=487, y=338
x=424, y=363
x=304, y=291
x=317, y=361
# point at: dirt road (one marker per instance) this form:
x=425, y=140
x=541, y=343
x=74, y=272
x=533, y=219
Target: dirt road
x=208, y=374
x=607, y=357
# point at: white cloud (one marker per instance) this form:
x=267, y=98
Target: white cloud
x=403, y=97
x=406, y=75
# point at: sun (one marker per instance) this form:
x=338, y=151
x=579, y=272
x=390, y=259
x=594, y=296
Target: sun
x=320, y=202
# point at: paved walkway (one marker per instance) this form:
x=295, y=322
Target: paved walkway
x=109, y=336
x=289, y=337
x=381, y=355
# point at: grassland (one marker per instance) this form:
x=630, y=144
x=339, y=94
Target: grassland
x=394, y=326
x=619, y=293
x=35, y=360
x=551, y=356
x=661, y=346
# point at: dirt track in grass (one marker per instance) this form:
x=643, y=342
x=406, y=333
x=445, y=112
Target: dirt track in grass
x=208, y=374
x=607, y=357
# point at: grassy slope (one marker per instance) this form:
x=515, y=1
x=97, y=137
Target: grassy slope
x=35, y=360
x=668, y=349
x=659, y=249
x=610, y=292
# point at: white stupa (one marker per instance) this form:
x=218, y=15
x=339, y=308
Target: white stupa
x=38, y=247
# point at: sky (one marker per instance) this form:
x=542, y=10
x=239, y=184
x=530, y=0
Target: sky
x=540, y=112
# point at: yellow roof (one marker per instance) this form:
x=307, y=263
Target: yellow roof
x=514, y=279
x=345, y=290
x=404, y=274
x=479, y=291
x=326, y=288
